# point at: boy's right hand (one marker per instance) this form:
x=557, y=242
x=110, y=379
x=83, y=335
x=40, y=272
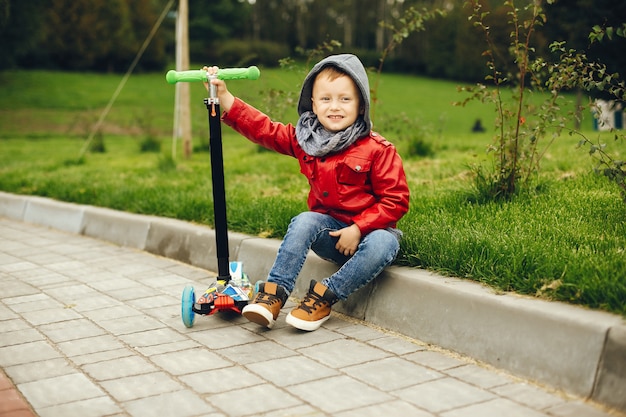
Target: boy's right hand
x=225, y=97
x=349, y=239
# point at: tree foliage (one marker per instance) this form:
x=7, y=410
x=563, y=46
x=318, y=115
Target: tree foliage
x=104, y=35
x=571, y=21
x=20, y=24
x=99, y=35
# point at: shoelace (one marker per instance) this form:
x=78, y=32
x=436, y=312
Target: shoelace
x=314, y=300
x=265, y=298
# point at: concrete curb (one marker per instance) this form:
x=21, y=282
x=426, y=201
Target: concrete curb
x=570, y=348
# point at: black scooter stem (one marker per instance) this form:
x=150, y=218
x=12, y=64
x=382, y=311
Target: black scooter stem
x=219, y=190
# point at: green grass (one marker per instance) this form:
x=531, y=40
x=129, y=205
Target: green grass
x=564, y=240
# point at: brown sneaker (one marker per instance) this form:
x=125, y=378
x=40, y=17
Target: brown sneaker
x=266, y=305
x=314, y=309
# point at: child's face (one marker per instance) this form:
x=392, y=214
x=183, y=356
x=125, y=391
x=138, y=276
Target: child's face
x=335, y=102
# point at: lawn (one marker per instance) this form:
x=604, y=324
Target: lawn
x=564, y=240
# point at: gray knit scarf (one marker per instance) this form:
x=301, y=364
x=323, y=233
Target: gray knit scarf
x=315, y=140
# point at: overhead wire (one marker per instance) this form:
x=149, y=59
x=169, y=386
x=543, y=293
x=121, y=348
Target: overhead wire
x=120, y=86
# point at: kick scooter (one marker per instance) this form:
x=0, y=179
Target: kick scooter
x=231, y=290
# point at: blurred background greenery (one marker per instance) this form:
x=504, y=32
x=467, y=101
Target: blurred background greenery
x=104, y=35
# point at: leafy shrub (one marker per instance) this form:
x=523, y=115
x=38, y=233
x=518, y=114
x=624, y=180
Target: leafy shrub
x=150, y=144
x=239, y=53
x=97, y=144
x=409, y=134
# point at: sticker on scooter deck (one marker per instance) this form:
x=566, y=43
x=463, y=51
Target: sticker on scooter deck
x=221, y=295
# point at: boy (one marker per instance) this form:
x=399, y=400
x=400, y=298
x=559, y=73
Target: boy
x=358, y=190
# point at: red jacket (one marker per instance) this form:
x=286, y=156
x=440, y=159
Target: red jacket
x=364, y=184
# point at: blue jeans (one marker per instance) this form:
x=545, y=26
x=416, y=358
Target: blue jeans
x=309, y=230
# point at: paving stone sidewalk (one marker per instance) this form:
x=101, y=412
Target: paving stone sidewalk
x=88, y=328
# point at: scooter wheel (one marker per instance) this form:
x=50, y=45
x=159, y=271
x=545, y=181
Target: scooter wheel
x=188, y=300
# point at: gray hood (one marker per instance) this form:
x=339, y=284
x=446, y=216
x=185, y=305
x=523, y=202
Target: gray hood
x=353, y=67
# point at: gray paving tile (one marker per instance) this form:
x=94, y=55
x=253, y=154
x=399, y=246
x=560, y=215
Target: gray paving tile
x=71, y=294
x=436, y=360
x=397, y=345
x=343, y=352
x=202, y=324
x=118, y=283
x=495, y=407
x=221, y=380
x=160, y=278
x=93, y=301
x=443, y=394
x=43, y=258
x=70, y=330
x=300, y=410
x=141, y=386
x=89, y=345
x=170, y=316
x=360, y=332
x=59, y=390
x=256, y=352
x=393, y=408
x=192, y=273
x=18, y=337
x=12, y=246
x=16, y=289
x=295, y=339
x=155, y=302
x=152, y=337
x=528, y=394
x=291, y=370
x=579, y=409
x=93, y=407
x=95, y=275
x=103, y=356
x=225, y=337
x=11, y=325
x=335, y=394
x=167, y=347
x=479, y=376
x=31, y=303
x=27, y=352
x=179, y=404
x=17, y=266
x=190, y=361
x=111, y=313
x=33, y=371
x=133, y=263
x=67, y=267
x=130, y=324
x=50, y=315
x=259, y=399
x=391, y=374
x=119, y=368
x=45, y=280
x=6, y=313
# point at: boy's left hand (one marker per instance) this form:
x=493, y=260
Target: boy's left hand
x=349, y=238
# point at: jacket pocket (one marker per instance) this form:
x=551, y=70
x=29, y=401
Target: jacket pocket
x=354, y=171
x=307, y=167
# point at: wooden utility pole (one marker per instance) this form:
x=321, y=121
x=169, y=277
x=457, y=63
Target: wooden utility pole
x=182, y=114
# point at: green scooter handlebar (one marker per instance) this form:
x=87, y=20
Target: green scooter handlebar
x=250, y=73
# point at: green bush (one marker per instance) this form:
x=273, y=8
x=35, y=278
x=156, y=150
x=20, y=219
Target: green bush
x=239, y=53
x=150, y=144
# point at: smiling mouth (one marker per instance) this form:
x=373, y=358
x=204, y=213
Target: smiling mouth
x=335, y=117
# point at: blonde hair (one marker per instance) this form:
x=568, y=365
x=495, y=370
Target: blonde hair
x=331, y=72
